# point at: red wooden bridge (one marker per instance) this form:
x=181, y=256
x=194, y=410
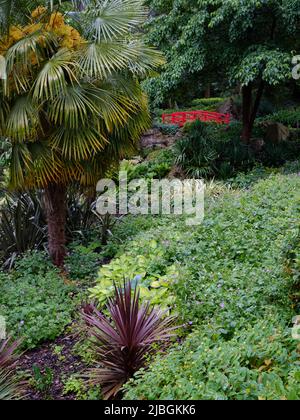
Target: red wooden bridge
x=181, y=118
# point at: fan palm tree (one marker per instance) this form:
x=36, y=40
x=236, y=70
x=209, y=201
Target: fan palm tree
x=72, y=104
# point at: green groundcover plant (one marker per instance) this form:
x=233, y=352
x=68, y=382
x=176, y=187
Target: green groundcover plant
x=36, y=303
x=236, y=291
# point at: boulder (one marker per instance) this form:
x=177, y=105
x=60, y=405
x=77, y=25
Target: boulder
x=276, y=132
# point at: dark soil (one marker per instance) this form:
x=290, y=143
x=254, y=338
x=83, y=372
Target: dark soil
x=62, y=364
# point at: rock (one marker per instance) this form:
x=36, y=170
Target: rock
x=176, y=172
x=228, y=107
x=257, y=145
x=154, y=139
x=276, y=132
x=136, y=160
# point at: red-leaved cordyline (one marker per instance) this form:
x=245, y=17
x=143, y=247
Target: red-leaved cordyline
x=8, y=353
x=10, y=387
x=124, y=339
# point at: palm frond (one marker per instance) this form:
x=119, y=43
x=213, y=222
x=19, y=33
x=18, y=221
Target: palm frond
x=111, y=19
x=72, y=107
x=23, y=120
x=20, y=161
x=55, y=75
x=114, y=107
x=146, y=58
x=78, y=144
x=23, y=55
x=102, y=60
x=47, y=165
x=4, y=111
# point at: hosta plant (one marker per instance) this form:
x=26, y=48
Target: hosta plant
x=10, y=388
x=124, y=340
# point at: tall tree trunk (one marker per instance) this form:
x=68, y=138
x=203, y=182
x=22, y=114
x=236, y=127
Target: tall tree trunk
x=247, y=106
x=249, y=112
x=257, y=102
x=207, y=93
x=55, y=209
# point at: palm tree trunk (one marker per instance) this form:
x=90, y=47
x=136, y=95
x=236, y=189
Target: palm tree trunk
x=55, y=209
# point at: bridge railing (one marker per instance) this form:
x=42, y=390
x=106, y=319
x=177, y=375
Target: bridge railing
x=181, y=118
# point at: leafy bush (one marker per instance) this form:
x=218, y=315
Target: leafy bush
x=131, y=226
x=42, y=381
x=205, y=103
x=151, y=170
x=278, y=154
x=124, y=339
x=157, y=165
x=167, y=129
x=83, y=261
x=196, y=153
x=77, y=387
x=288, y=117
x=208, y=150
x=35, y=301
x=147, y=264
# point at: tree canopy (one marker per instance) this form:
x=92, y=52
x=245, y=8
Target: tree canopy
x=228, y=42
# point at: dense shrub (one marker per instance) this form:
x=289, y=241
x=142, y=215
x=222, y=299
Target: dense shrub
x=167, y=129
x=197, y=153
x=293, y=268
x=207, y=103
x=82, y=261
x=278, y=154
x=288, y=117
x=127, y=230
x=235, y=279
x=157, y=165
x=208, y=150
x=34, y=300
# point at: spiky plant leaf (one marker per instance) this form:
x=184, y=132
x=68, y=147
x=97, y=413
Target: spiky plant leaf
x=10, y=387
x=22, y=226
x=124, y=339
